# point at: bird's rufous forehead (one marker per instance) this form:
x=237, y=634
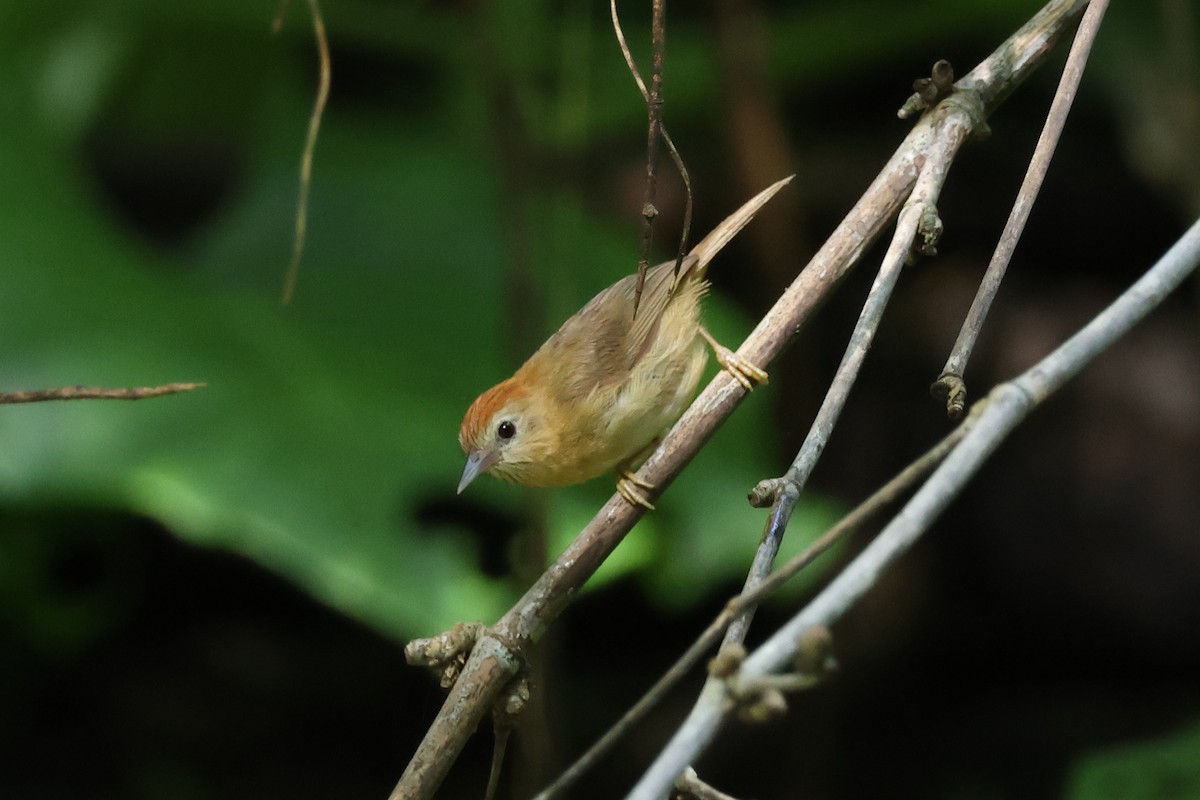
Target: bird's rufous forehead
x=479, y=415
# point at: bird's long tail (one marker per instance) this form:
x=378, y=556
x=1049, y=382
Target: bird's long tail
x=710, y=245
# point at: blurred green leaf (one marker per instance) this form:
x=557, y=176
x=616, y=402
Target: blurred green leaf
x=1164, y=769
x=327, y=430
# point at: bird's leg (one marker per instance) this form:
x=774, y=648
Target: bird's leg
x=629, y=485
x=746, y=373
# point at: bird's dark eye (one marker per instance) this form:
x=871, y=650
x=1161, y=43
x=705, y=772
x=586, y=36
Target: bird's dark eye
x=507, y=430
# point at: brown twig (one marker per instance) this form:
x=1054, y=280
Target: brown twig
x=96, y=393
x=949, y=386
x=498, y=654
x=685, y=232
x=654, y=103
x=653, y=98
x=310, y=144
x=671, y=148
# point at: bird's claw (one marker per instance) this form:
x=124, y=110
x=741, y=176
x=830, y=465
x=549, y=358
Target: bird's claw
x=630, y=487
x=745, y=373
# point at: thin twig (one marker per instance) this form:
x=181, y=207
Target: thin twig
x=854, y=521
x=654, y=103
x=96, y=393
x=504, y=643
x=950, y=386
x=653, y=100
x=502, y=735
x=690, y=784
x=918, y=217
x=996, y=417
x=687, y=202
x=671, y=148
x=310, y=145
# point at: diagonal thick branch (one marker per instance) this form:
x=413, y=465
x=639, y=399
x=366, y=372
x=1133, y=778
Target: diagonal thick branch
x=499, y=652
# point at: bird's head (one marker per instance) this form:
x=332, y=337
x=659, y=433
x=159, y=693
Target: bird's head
x=507, y=432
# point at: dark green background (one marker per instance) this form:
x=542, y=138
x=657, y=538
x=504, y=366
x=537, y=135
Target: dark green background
x=206, y=595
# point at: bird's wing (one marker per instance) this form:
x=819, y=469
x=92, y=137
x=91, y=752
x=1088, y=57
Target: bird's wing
x=656, y=294
x=604, y=340
x=662, y=282
x=601, y=344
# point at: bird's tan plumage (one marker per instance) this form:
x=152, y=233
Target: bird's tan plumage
x=605, y=384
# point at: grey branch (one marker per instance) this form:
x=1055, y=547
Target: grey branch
x=865, y=512
x=997, y=416
x=482, y=679
x=950, y=386
x=951, y=131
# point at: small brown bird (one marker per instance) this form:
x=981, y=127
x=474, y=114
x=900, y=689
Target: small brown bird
x=602, y=389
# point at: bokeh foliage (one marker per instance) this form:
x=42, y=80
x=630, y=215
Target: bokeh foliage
x=149, y=153
x=327, y=429
x=1157, y=769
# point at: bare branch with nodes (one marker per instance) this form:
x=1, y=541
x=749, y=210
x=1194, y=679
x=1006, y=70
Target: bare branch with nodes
x=996, y=417
x=500, y=650
x=653, y=98
x=950, y=387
